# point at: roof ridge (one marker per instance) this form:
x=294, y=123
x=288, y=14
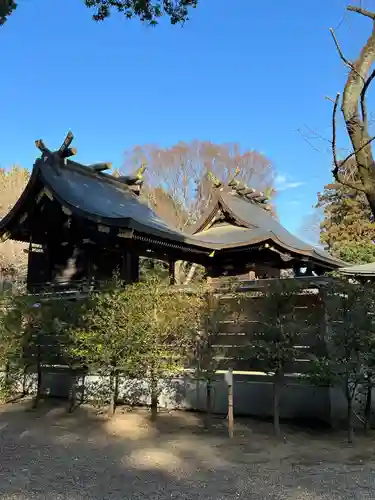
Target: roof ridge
x=59, y=159
x=251, y=195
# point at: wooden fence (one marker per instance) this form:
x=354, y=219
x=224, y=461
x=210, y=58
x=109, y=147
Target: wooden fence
x=241, y=321
x=238, y=320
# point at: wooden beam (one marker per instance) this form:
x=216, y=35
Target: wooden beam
x=41, y=146
x=100, y=167
x=67, y=142
x=67, y=153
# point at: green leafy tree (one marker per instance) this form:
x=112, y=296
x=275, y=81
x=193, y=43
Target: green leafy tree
x=205, y=356
x=274, y=347
x=349, y=339
x=348, y=228
x=148, y=11
x=110, y=337
x=142, y=330
x=174, y=315
x=10, y=347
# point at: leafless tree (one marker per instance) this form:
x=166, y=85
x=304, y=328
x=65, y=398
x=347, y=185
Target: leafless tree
x=177, y=181
x=354, y=110
x=12, y=256
x=178, y=184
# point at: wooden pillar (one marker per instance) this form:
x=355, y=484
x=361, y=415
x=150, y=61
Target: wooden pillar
x=135, y=268
x=130, y=267
x=172, y=268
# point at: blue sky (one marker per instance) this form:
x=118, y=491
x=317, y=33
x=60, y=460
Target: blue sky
x=252, y=72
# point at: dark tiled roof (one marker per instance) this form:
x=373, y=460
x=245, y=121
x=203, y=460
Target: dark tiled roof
x=251, y=222
x=93, y=194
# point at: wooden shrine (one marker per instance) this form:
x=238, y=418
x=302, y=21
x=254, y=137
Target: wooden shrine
x=83, y=224
x=252, y=243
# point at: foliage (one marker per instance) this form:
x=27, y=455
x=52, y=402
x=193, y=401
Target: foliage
x=12, y=257
x=143, y=329
x=14, y=337
x=349, y=340
x=205, y=357
x=32, y=334
x=149, y=268
x=275, y=345
x=148, y=11
x=348, y=228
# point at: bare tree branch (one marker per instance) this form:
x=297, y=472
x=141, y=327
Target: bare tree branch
x=342, y=57
x=353, y=153
x=308, y=141
x=354, y=110
x=337, y=164
x=334, y=153
x=363, y=12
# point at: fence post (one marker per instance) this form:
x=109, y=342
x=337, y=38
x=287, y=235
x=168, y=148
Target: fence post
x=229, y=381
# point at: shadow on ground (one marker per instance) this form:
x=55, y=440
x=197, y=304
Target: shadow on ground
x=50, y=454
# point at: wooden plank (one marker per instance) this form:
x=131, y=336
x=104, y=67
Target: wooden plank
x=259, y=366
x=235, y=351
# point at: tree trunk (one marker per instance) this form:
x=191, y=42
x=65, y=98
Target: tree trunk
x=154, y=395
x=277, y=386
x=83, y=389
x=191, y=273
x=38, y=394
x=368, y=406
x=73, y=393
x=350, y=421
x=178, y=272
x=356, y=123
x=7, y=382
x=24, y=380
x=208, y=414
x=114, y=391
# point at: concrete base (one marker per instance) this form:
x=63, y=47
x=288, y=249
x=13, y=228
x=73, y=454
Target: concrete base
x=253, y=394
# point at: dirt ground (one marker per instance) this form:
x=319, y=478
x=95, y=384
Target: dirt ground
x=49, y=454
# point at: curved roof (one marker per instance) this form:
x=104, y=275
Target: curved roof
x=94, y=195
x=248, y=222
x=366, y=270
x=102, y=198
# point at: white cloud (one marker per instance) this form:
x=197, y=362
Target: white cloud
x=282, y=183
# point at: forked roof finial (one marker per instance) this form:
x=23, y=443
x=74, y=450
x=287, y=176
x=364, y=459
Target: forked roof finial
x=64, y=151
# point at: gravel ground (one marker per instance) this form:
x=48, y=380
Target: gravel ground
x=47, y=454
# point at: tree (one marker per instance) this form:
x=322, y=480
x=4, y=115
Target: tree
x=178, y=184
x=13, y=260
x=110, y=335
x=19, y=346
x=175, y=315
x=177, y=179
x=348, y=228
x=275, y=346
x=205, y=356
x=11, y=323
x=349, y=339
x=354, y=110
x=148, y=11
x=142, y=330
